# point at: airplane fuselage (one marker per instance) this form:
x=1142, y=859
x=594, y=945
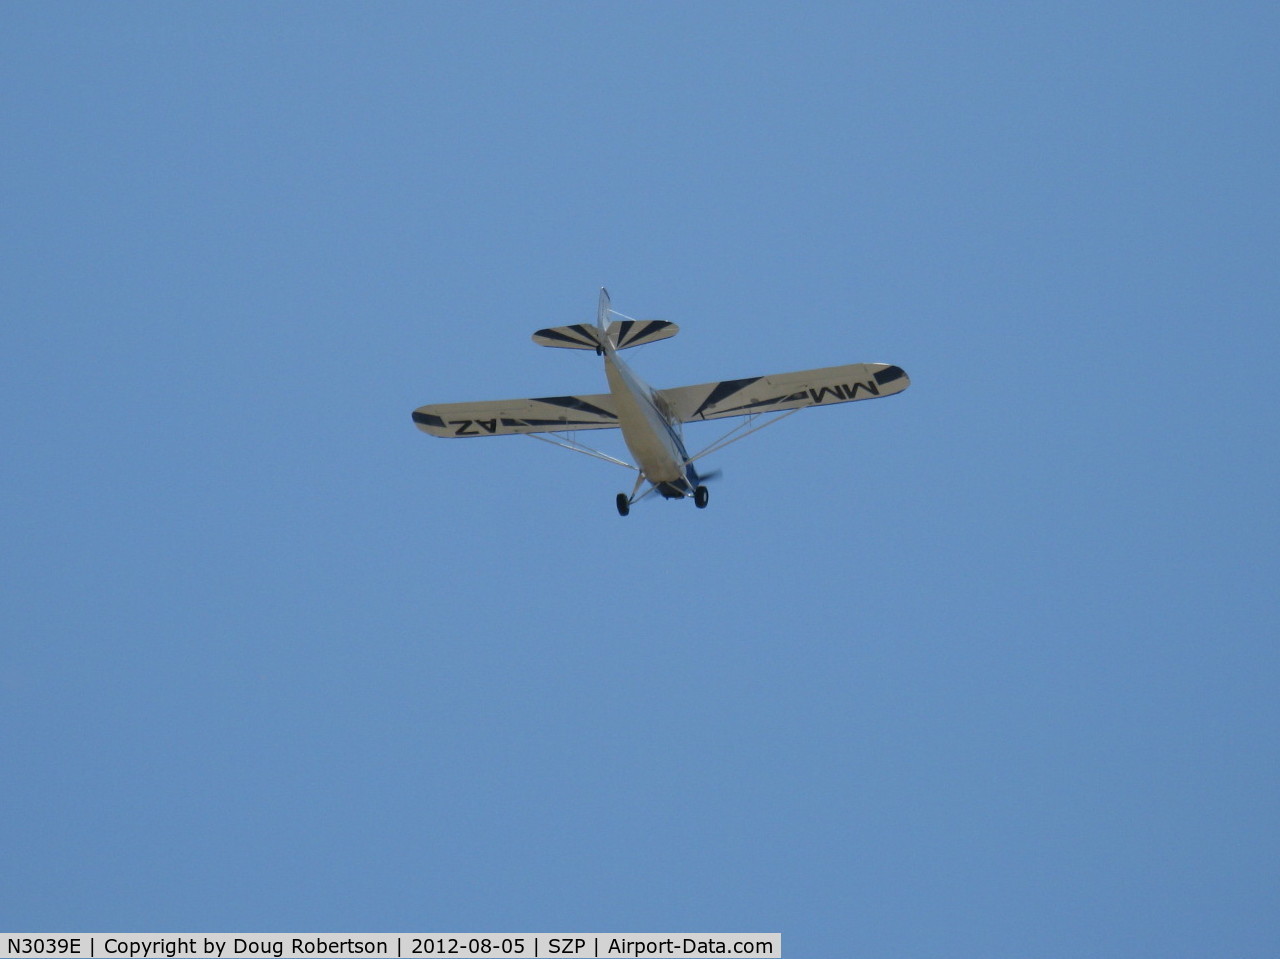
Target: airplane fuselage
x=649, y=432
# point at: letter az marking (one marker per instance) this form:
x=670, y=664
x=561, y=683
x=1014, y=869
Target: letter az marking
x=464, y=427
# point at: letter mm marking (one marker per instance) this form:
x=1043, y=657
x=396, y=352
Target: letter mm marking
x=843, y=391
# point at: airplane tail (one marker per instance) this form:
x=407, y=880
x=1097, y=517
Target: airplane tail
x=620, y=334
x=602, y=321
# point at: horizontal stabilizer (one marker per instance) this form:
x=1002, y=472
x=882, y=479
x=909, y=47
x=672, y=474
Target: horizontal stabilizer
x=580, y=336
x=624, y=333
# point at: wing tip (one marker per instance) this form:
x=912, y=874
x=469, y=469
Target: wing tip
x=428, y=422
x=892, y=374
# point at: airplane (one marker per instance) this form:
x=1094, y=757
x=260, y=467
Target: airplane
x=652, y=420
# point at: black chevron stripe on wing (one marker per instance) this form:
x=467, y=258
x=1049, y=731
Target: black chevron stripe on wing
x=577, y=403
x=771, y=401
x=551, y=426
x=722, y=391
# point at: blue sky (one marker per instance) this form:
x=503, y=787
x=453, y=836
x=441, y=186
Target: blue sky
x=988, y=669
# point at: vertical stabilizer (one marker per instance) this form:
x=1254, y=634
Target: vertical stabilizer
x=602, y=321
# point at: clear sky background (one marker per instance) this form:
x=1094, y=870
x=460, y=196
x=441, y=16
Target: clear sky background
x=986, y=669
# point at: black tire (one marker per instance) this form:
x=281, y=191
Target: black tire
x=624, y=504
x=701, y=497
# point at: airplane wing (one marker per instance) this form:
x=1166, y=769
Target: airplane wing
x=784, y=391
x=547, y=414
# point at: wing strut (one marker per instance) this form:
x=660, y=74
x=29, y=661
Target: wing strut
x=728, y=438
x=565, y=442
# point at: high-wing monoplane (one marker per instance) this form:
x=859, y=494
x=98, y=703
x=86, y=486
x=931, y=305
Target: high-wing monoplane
x=652, y=420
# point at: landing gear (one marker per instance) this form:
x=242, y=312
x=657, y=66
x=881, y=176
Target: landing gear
x=700, y=497
x=624, y=504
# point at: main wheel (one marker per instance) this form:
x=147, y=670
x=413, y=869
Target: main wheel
x=624, y=504
x=700, y=497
